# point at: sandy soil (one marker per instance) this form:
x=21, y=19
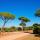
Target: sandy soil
x=13, y=35
x=29, y=37
x=18, y=36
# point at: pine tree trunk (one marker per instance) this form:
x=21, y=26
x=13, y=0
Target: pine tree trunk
x=22, y=29
x=2, y=29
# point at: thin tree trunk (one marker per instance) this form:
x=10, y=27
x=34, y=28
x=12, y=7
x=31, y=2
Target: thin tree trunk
x=22, y=29
x=2, y=29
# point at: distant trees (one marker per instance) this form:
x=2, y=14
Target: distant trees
x=23, y=21
x=5, y=16
x=13, y=28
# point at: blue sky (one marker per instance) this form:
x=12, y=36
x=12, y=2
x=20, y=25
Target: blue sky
x=25, y=8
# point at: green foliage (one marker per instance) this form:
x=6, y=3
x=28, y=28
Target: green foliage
x=37, y=13
x=22, y=24
x=29, y=28
x=24, y=19
x=13, y=28
x=36, y=28
x=7, y=15
x=7, y=29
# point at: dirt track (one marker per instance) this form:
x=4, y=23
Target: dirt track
x=13, y=36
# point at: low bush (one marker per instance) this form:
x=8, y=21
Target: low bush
x=36, y=28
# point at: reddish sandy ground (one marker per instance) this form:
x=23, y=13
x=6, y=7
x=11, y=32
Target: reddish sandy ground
x=13, y=35
x=18, y=36
x=29, y=37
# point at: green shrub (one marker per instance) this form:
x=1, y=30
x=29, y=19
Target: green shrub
x=36, y=28
x=12, y=29
x=7, y=29
x=19, y=29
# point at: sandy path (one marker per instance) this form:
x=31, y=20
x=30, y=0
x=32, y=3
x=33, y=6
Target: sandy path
x=13, y=36
x=29, y=37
